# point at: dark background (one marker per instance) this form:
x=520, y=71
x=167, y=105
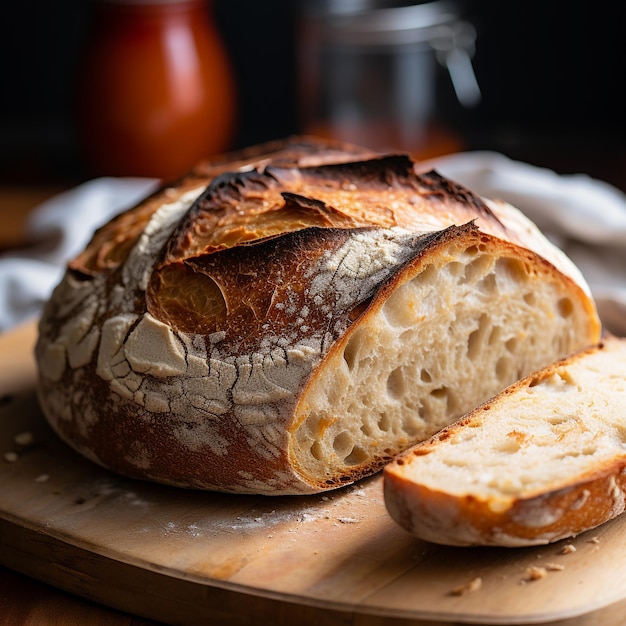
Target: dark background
x=552, y=74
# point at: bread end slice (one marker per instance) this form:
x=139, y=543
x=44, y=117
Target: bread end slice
x=542, y=461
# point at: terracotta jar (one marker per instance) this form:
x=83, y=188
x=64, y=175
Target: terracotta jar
x=155, y=92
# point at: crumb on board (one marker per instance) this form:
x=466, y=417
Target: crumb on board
x=554, y=567
x=472, y=585
x=10, y=457
x=536, y=573
x=594, y=540
x=568, y=549
x=42, y=478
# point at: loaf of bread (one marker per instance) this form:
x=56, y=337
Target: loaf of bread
x=288, y=319
x=544, y=460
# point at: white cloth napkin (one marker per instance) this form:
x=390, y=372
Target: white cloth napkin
x=584, y=216
x=59, y=229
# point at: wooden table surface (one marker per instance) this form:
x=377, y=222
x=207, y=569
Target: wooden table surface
x=24, y=601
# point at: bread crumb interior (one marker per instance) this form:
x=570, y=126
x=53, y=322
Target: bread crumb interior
x=447, y=339
x=541, y=436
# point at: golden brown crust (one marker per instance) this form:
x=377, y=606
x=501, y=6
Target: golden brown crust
x=258, y=208
x=251, y=206
x=537, y=520
x=111, y=243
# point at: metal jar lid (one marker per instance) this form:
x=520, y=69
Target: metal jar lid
x=435, y=25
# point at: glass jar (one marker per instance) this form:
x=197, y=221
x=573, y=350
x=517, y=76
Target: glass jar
x=369, y=72
x=155, y=91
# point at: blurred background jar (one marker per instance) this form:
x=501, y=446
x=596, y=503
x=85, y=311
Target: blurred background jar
x=155, y=90
x=380, y=73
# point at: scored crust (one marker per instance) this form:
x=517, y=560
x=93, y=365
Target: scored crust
x=286, y=320
x=542, y=461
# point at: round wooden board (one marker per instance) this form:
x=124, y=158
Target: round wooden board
x=185, y=557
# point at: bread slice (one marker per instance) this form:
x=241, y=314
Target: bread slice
x=288, y=320
x=543, y=460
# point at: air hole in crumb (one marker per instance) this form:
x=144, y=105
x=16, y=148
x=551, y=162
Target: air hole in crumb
x=530, y=298
x=425, y=376
x=455, y=268
x=350, y=353
x=475, y=339
x=503, y=369
x=343, y=443
x=473, y=344
x=511, y=344
x=316, y=451
x=514, y=268
x=384, y=422
x=442, y=392
x=366, y=429
x=494, y=336
x=566, y=308
x=356, y=457
x=487, y=284
x=396, y=384
x=412, y=425
x=428, y=274
x=476, y=270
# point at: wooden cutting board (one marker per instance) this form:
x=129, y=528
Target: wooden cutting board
x=188, y=557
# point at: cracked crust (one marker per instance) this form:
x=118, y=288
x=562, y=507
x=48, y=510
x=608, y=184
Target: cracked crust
x=221, y=334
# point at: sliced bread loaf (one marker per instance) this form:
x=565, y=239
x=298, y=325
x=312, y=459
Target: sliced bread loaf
x=544, y=460
x=289, y=319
